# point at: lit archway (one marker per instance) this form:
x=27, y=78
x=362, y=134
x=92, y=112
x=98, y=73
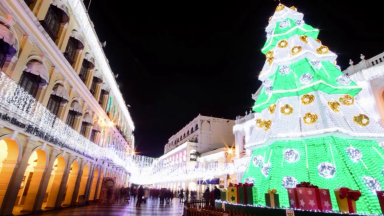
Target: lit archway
x=192, y=186
x=100, y=183
x=83, y=182
x=71, y=184
x=30, y=184
x=94, y=184
x=9, y=156
x=54, y=183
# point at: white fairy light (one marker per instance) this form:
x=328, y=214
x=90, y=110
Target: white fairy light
x=326, y=170
x=343, y=80
x=289, y=182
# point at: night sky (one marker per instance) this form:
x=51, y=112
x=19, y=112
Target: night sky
x=178, y=59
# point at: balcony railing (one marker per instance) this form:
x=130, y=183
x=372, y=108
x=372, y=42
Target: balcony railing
x=22, y=110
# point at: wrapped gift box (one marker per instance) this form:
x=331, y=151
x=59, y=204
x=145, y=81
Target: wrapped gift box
x=292, y=196
x=272, y=199
x=346, y=199
x=233, y=193
x=325, y=200
x=245, y=193
x=251, y=194
x=224, y=195
x=380, y=196
x=309, y=197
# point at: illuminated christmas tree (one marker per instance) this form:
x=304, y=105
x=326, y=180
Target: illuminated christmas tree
x=307, y=126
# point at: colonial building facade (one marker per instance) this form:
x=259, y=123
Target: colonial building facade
x=63, y=122
x=369, y=74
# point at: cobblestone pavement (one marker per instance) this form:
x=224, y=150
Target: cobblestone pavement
x=151, y=208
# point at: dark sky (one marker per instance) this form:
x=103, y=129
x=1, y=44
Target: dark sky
x=176, y=59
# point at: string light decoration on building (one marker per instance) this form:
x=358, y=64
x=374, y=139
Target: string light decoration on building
x=321, y=135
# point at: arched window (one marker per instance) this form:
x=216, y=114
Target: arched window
x=59, y=96
x=184, y=136
x=196, y=127
x=75, y=42
x=7, y=44
x=187, y=133
x=88, y=64
x=34, y=76
x=57, y=15
x=192, y=130
x=74, y=111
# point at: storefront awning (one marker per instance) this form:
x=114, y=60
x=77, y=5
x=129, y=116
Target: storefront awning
x=8, y=37
x=75, y=106
x=60, y=91
x=38, y=69
x=96, y=127
x=105, y=87
x=209, y=181
x=88, y=118
x=98, y=75
x=90, y=60
x=63, y=8
x=75, y=34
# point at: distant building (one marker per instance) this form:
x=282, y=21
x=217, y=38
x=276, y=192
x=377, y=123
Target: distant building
x=208, y=132
x=197, y=156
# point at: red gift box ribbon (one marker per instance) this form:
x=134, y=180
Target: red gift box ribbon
x=350, y=195
x=307, y=185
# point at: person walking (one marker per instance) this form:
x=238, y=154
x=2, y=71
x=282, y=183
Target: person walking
x=206, y=196
x=217, y=193
x=140, y=195
x=134, y=193
x=186, y=194
x=181, y=195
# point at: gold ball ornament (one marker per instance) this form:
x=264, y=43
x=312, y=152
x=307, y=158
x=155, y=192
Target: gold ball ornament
x=267, y=125
x=296, y=49
x=310, y=118
x=272, y=108
x=347, y=100
x=334, y=105
x=280, y=7
x=270, y=60
x=322, y=50
x=269, y=54
x=318, y=41
x=286, y=109
x=361, y=120
x=307, y=99
x=293, y=8
x=282, y=44
x=270, y=18
x=260, y=123
x=304, y=38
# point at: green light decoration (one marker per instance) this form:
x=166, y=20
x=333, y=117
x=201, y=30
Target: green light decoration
x=232, y=190
x=233, y=198
x=314, y=152
x=284, y=33
x=109, y=103
x=324, y=160
x=286, y=85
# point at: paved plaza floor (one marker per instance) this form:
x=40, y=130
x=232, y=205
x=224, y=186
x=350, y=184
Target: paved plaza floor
x=151, y=208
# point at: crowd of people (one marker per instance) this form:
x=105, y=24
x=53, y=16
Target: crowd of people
x=140, y=195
